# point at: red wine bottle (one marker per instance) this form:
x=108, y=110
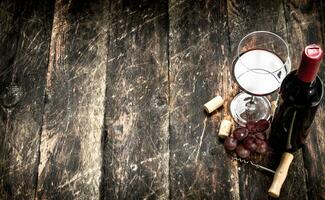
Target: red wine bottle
x=300, y=95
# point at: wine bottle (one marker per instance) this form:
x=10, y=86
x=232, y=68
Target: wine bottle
x=300, y=95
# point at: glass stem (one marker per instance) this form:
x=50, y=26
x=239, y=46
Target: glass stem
x=251, y=101
x=250, y=108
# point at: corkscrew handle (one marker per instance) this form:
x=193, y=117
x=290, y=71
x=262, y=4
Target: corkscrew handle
x=280, y=175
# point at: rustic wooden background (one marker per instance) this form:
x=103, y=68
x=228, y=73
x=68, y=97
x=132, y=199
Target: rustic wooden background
x=114, y=93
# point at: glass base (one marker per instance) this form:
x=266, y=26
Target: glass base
x=245, y=107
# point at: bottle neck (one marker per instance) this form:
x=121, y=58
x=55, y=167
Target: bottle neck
x=302, y=83
x=307, y=71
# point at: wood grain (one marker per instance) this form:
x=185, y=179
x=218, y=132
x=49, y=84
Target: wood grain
x=199, y=70
x=9, y=35
x=245, y=17
x=24, y=46
x=305, y=28
x=71, y=157
x=114, y=94
x=135, y=142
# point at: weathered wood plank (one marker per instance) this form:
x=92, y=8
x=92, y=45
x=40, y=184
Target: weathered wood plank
x=9, y=34
x=305, y=28
x=199, y=70
x=245, y=17
x=253, y=184
x=135, y=143
x=71, y=157
x=320, y=119
x=9, y=38
x=25, y=29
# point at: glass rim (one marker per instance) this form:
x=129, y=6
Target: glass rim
x=267, y=32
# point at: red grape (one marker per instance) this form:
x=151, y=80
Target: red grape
x=251, y=126
x=230, y=143
x=249, y=143
x=260, y=135
x=240, y=133
x=261, y=147
x=242, y=152
x=262, y=125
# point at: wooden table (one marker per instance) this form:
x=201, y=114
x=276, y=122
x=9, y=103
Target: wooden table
x=114, y=93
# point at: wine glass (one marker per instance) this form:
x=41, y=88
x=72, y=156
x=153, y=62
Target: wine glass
x=261, y=64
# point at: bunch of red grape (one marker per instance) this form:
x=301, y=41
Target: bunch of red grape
x=249, y=139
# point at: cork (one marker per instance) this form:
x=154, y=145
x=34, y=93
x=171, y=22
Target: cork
x=213, y=104
x=225, y=128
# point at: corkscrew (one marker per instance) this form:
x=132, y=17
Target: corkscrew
x=249, y=162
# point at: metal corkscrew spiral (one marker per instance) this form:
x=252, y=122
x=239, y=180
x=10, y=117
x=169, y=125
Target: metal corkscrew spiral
x=257, y=166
